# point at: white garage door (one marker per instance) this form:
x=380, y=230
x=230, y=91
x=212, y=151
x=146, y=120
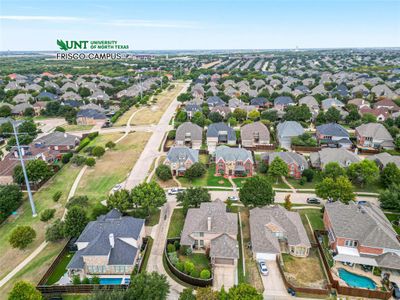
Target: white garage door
x=265, y=256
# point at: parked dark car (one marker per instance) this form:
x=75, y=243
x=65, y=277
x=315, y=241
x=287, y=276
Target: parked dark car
x=313, y=200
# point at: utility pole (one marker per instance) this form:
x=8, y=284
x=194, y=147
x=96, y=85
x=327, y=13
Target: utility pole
x=28, y=187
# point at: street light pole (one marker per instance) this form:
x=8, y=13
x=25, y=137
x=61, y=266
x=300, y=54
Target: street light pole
x=28, y=187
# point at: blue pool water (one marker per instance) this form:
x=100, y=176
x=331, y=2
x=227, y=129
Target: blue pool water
x=357, y=281
x=110, y=280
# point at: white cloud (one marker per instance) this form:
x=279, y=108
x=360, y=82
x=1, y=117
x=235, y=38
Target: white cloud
x=40, y=18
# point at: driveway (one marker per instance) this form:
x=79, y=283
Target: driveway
x=224, y=276
x=273, y=283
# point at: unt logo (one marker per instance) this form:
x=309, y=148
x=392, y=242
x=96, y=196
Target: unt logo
x=67, y=45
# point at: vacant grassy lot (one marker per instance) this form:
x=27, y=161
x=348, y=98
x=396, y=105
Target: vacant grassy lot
x=103, y=139
x=176, y=224
x=304, y=272
x=253, y=276
x=153, y=113
x=62, y=181
x=69, y=127
x=112, y=168
x=35, y=270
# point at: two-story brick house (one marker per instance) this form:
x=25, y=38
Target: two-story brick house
x=361, y=234
x=233, y=162
x=179, y=159
x=374, y=135
x=296, y=162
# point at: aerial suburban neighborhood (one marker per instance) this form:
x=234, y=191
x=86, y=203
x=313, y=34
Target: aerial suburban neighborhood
x=239, y=169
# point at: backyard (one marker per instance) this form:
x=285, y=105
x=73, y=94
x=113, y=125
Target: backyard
x=176, y=223
x=60, y=269
x=62, y=181
x=311, y=217
x=113, y=167
x=304, y=272
x=199, y=260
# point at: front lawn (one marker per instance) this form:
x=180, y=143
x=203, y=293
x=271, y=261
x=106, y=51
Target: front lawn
x=176, y=223
x=296, y=183
x=60, y=269
x=391, y=218
x=240, y=181
x=208, y=179
x=304, y=272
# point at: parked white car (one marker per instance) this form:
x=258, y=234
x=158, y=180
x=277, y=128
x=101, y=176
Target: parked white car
x=117, y=187
x=174, y=191
x=263, y=268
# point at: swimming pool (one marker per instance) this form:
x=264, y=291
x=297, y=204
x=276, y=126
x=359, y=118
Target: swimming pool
x=111, y=280
x=357, y=281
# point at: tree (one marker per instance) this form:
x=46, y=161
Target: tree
x=363, y=172
x=148, y=196
x=215, y=117
x=55, y=231
x=181, y=116
x=80, y=201
x=332, y=115
x=205, y=274
x=232, y=122
x=47, y=214
x=288, y=203
x=368, y=118
x=98, y=151
x=187, y=294
x=28, y=127
x=146, y=286
x=206, y=294
x=59, y=129
x=120, y=200
x=199, y=119
x=336, y=189
x=308, y=174
x=163, y=172
x=390, y=175
x=299, y=113
x=353, y=115
x=5, y=111
x=84, y=92
x=257, y=191
x=37, y=171
x=239, y=114
x=110, y=145
x=270, y=115
x=10, y=200
x=244, y=291
x=390, y=198
x=90, y=161
x=29, y=112
x=278, y=168
x=75, y=221
x=333, y=170
x=254, y=115
x=24, y=290
x=193, y=197
x=195, y=171
x=22, y=236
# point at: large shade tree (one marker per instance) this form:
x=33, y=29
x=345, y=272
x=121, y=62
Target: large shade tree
x=257, y=191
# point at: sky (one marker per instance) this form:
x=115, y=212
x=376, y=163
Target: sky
x=202, y=24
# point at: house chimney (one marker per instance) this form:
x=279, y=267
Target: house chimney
x=111, y=239
x=209, y=223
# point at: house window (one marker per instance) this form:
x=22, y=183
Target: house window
x=350, y=243
x=201, y=243
x=201, y=234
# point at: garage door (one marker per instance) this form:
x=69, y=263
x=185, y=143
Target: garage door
x=265, y=256
x=224, y=261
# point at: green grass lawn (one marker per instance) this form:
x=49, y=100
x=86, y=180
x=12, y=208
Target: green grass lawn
x=241, y=277
x=72, y=127
x=147, y=254
x=315, y=218
x=199, y=260
x=75, y=297
x=62, y=181
x=393, y=217
x=296, y=184
x=154, y=218
x=369, y=188
x=208, y=179
x=60, y=269
x=240, y=181
x=176, y=224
